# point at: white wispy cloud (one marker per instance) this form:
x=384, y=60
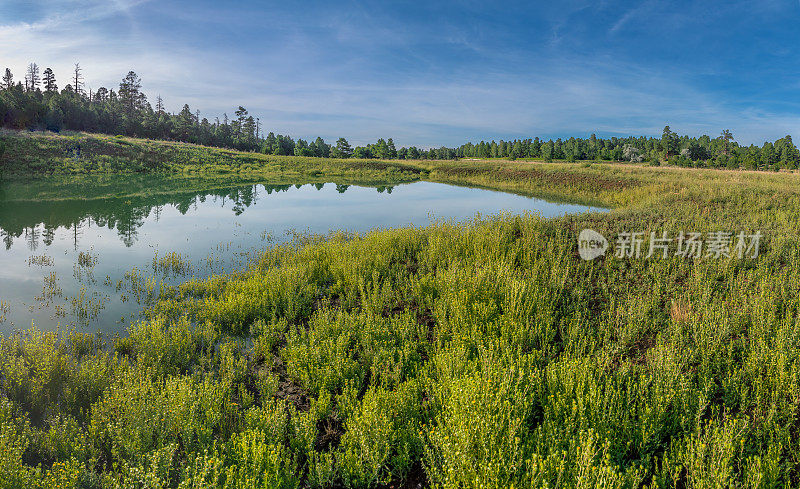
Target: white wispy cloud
x=632, y=14
x=559, y=102
x=324, y=75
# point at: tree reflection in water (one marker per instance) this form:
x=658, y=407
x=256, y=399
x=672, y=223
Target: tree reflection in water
x=36, y=209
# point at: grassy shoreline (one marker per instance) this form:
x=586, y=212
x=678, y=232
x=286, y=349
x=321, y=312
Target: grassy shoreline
x=41, y=154
x=32, y=156
x=478, y=354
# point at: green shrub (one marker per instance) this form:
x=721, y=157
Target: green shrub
x=382, y=439
x=257, y=462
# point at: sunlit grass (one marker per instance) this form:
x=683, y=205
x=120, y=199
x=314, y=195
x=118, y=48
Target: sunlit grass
x=477, y=354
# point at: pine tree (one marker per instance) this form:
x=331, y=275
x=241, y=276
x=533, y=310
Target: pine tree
x=516, y=150
x=322, y=150
x=241, y=117
x=185, y=122
x=381, y=149
x=270, y=144
x=301, y=148
x=129, y=93
x=669, y=142
x=101, y=95
x=8, y=80
x=50, y=81
x=249, y=129
x=727, y=137
x=343, y=149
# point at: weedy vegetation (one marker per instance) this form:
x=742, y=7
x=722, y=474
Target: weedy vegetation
x=171, y=264
x=51, y=289
x=5, y=309
x=40, y=261
x=87, y=259
x=87, y=305
x=477, y=354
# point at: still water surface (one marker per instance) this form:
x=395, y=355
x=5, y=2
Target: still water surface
x=72, y=252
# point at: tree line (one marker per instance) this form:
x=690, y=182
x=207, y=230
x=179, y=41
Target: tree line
x=672, y=148
x=36, y=103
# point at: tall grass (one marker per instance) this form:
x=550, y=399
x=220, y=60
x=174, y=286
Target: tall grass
x=476, y=354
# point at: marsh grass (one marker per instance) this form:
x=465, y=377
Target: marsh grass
x=41, y=261
x=145, y=288
x=5, y=309
x=50, y=291
x=83, y=269
x=172, y=263
x=59, y=311
x=87, y=259
x=484, y=353
x=87, y=305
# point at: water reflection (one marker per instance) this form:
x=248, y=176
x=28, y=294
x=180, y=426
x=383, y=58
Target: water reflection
x=91, y=252
x=37, y=214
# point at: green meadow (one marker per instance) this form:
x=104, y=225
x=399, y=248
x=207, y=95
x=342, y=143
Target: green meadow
x=75, y=153
x=483, y=353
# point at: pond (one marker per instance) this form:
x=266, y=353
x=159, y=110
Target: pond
x=86, y=253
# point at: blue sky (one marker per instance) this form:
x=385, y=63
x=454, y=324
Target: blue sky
x=436, y=73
